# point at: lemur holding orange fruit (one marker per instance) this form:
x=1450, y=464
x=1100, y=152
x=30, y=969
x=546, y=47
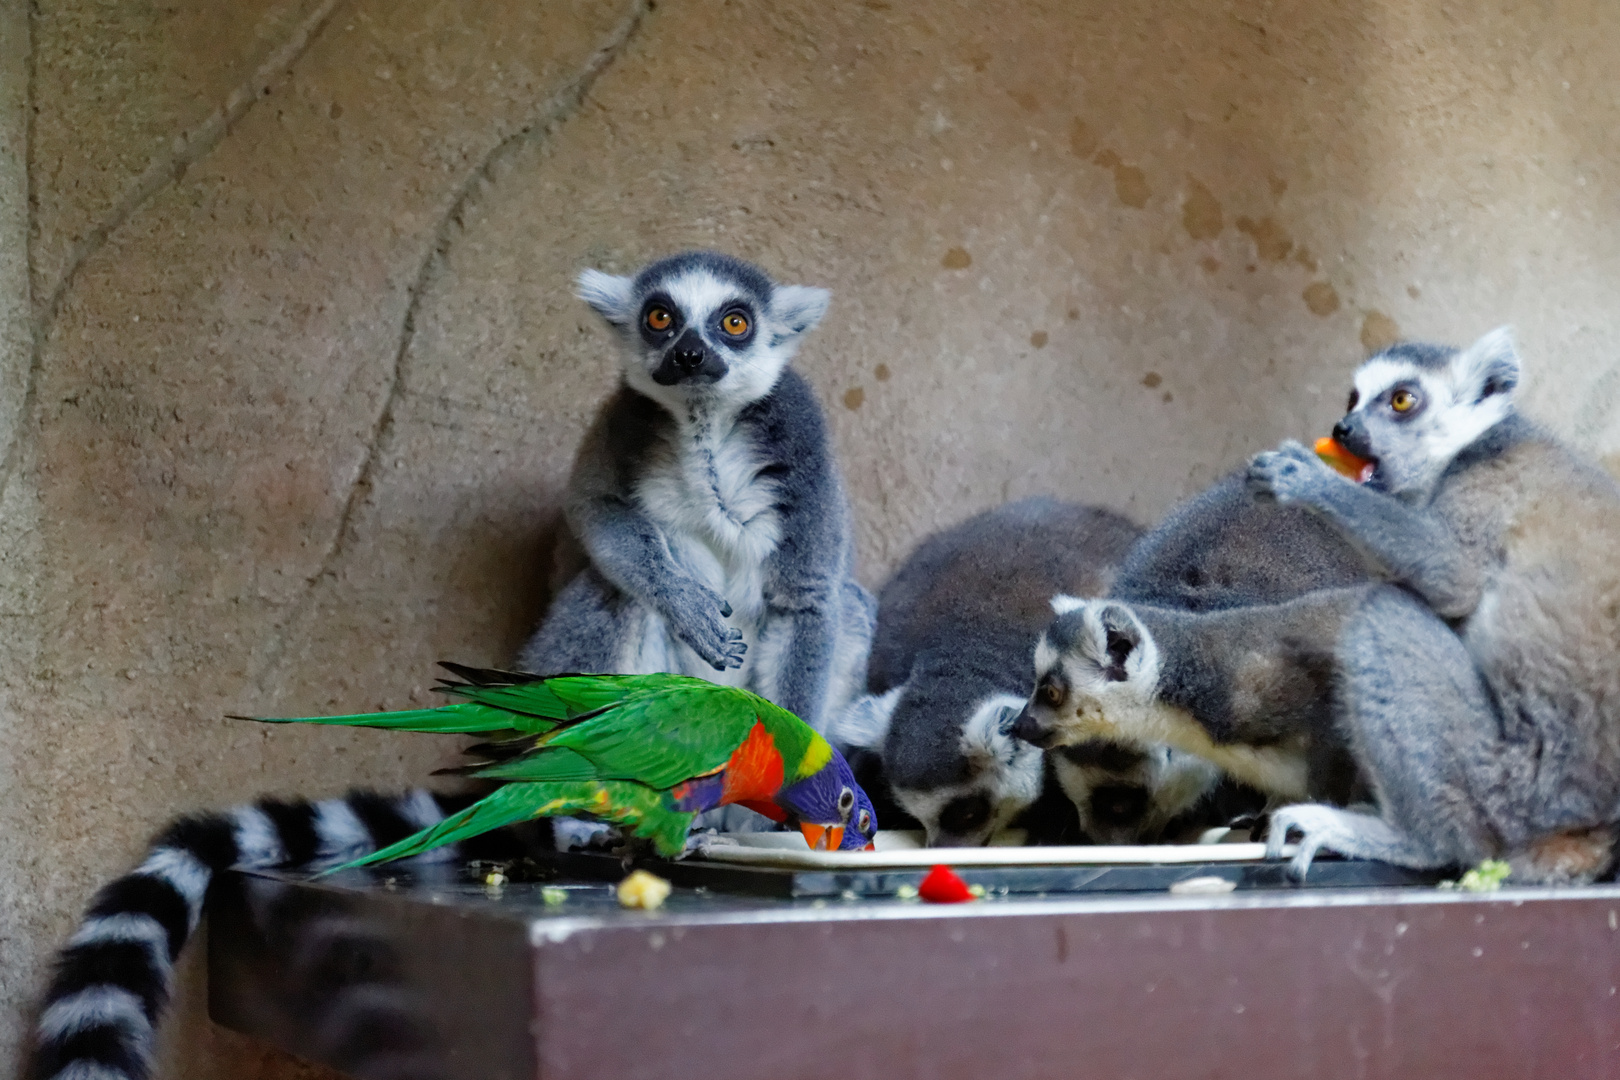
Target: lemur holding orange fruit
x=1477, y=687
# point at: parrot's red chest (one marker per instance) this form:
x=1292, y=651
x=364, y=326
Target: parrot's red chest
x=754, y=772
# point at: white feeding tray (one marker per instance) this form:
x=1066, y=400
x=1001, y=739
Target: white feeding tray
x=901, y=849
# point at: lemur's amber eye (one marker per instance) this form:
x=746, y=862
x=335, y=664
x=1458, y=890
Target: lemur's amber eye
x=1402, y=400
x=659, y=319
x=1051, y=696
x=735, y=324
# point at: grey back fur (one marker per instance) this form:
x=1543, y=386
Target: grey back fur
x=1222, y=549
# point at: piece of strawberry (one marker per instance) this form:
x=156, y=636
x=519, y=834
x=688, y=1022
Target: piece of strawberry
x=942, y=886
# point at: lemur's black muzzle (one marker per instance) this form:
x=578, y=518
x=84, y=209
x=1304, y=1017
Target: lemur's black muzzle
x=1030, y=729
x=1351, y=433
x=689, y=360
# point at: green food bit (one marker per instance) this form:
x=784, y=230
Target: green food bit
x=1486, y=877
x=552, y=895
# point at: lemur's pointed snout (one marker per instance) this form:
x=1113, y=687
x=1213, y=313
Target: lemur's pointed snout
x=690, y=359
x=1031, y=729
x=1351, y=434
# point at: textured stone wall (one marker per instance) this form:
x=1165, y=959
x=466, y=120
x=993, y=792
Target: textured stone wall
x=290, y=376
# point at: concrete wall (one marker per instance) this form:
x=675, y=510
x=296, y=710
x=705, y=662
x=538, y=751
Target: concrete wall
x=290, y=376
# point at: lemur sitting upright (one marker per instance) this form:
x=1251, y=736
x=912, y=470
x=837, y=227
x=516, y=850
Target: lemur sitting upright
x=708, y=500
x=1483, y=695
x=706, y=491
x=950, y=668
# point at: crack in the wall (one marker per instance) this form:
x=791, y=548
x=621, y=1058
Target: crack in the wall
x=185, y=150
x=556, y=110
x=30, y=194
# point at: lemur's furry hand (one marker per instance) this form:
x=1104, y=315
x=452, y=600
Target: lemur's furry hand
x=1344, y=832
x=1290, y=473
x=698, y=616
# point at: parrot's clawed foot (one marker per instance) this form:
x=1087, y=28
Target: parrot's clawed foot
x=580, y=834
x=707, y=838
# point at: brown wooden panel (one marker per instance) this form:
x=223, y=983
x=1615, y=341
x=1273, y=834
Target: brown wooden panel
x=1377, y=984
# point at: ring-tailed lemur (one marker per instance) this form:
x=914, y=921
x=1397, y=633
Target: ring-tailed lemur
x=706, y=490
x=1217, y=550
x=950, y=667
x=1249, y=689
x=99, y=1015
x=708, y=500
x=1482, y=696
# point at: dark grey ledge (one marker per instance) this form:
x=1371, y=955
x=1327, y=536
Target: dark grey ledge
x=445, y=979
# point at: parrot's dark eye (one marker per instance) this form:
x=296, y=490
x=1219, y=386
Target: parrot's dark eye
x=846, y=803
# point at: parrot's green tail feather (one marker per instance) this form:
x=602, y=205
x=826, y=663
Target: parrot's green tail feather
x=637, y=806
x=463, y=718
x=504, y=806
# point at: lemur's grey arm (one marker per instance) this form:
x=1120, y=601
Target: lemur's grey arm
x=1416, y=547
x=804, y=579
x=630, y=550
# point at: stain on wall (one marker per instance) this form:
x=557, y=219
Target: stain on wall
x=298, y=375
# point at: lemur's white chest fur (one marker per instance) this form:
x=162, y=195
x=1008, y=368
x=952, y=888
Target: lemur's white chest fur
x=704, y=489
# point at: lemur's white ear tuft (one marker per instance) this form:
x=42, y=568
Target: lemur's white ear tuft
x=1116, y=637
x=1487, y=367
x=799, y=307
x=1063, y=603
x=864, y=723
x=608, y=294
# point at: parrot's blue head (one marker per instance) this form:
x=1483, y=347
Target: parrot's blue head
x=830, y=808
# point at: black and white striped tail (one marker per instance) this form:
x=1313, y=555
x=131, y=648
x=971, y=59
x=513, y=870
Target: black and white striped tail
x=100, y=1014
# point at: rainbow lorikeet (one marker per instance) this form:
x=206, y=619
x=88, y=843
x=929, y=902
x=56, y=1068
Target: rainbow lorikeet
x=646, y=752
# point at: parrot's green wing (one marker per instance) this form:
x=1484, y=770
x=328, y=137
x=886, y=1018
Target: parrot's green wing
x=495, y=703
x=642, y=809
x=559, y=697
x=658, y=737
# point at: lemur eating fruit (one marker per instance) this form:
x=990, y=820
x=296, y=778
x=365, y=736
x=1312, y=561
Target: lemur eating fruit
x=1481, y=695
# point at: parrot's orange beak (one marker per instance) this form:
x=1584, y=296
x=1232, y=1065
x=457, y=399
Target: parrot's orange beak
x=822, y=837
